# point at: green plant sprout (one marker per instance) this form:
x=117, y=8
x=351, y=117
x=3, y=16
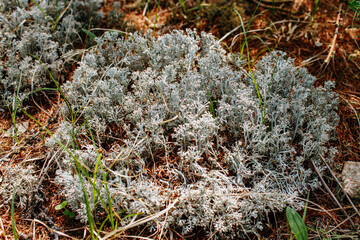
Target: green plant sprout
x=67, y=212
x=297, y=223
x=317, y=2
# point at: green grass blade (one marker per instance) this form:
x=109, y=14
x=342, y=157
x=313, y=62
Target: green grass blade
x=182, y=3
x=212, y=109
x=94, y=179
x=317, y=2
x=306, y=205
x=156, y=16
x=78, y=169
x=250, y=68
x=91, y=35
x=87, y=203
x=13, y=224
x=56, y=84
x=8, y=133
x=72, y=116
x=43, y=12
x=77, y=165
x=109, y=208
x=16, y=106
x=61, y=15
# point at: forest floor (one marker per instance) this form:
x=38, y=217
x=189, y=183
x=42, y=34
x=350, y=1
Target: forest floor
x=322, y=39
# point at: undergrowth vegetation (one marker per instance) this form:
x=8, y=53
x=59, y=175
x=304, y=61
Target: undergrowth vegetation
x=170, y=132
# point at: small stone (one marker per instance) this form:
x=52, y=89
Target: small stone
x=20, y=129
x=351, y=178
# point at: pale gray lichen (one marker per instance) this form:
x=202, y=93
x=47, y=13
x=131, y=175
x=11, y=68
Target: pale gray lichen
x=17, y=182
x=192, y=126
x=33, y=37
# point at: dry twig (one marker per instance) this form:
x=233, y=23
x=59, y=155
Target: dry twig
x=140, y=221
x=51, y=229
x=336, y=33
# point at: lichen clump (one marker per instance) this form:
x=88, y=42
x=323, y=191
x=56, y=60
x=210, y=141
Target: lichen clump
x=181, y=119
x=37, y=37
